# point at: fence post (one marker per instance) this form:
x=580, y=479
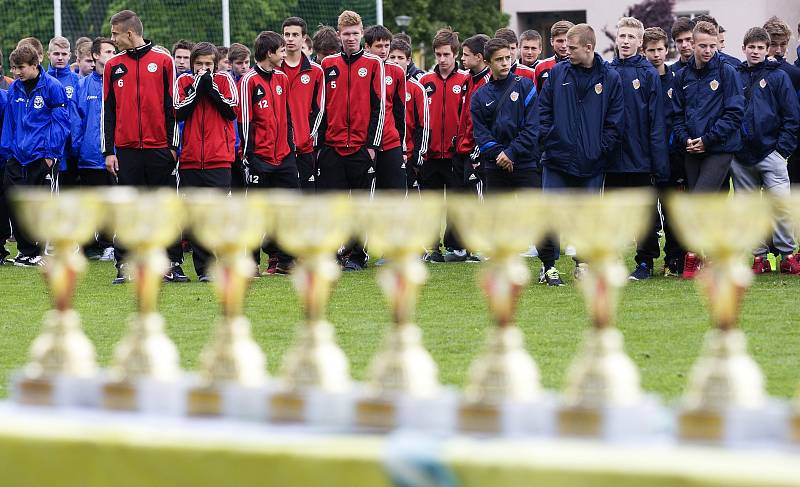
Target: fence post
x=57, y=17
x=226, y=23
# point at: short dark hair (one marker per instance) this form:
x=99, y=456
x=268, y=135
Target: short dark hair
x=326, y=41
x=721, y=29
x=756, y=34
x=403, y=36
x=295, y=21
x=446, y=37
x=223, y=52
x=507, y=34
x=401, y=45
x=681, y=25
x=705, y=18
x=654, y=34
x=128, y=20
x=530, y=35
x=238, y=52
x=477, y=43
x=267, y=42
x=97, y=44
x=204, y=49
x=24, y=54
x=182, y=44
x=376, y=33
x=494, y=45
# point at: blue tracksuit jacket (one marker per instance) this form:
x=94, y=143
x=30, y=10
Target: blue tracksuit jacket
x=85, y=121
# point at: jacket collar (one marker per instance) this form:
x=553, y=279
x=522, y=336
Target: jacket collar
x=139, y=52
x=267, y=75
x=439, y=74
x=600, y=67
x=95, y=76
x=352, y=57
x=635, y=61
x=482, y=74
x=58, y=72
x=712, y=63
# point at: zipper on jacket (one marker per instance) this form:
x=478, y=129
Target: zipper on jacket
x=349, y=69
x=444, y=116
x=139, y=104
x=202, y=139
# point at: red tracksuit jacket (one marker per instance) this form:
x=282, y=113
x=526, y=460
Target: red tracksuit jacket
x=444, y=107
x=355, y=102
x=137, y=101
x=520, y=69
x=542, y=71
x=306, y=102
x=207, y=105
x=394, y=128
x=266, y=124
x=465, y=144
x=417, y=121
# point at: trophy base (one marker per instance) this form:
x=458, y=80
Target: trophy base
x=383, y=414
x=229, y=400
x=734, y=425
x=509, y=418
x=643, y=420
x=310, y=406
x=145, y=395
x=56, y=390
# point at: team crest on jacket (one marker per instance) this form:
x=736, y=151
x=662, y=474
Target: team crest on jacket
x=38, y=102
x=305, y=79
x=457, y=89
x=762, y=83
x=362, y=72
x=514, y=96
x=598, y=88
x=279, y=89
x=714, y=85
x=388, y=80
x=669, y=92
x=636, y=84
x=70, y=91
x=408, y=97
x=152, y=67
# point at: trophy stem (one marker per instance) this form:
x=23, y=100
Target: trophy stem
x=502, y=282
x=725, y=283
x=233, y=274
x=400, y=281
x=316, y=360
x=62, y=348
x=601, y=288
x=146, y=351
x=313, y=278
x=148, y=267
x=62, y=273
x=233, y=356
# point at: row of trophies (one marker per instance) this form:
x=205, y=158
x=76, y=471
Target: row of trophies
x=725, y=400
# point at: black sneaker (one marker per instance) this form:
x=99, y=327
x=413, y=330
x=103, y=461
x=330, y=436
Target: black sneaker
x=25, y=261
x=435, y=257
x=674, y=267
x=352, y=266
x=551, y=277
x=458, y=255
x=176, y=274
x=473, y=258
x=642, y=272
x=122, y=275
x=283, y=268
x=4, y=260
x=205, y=278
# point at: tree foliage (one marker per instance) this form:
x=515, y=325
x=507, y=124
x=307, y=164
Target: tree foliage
x=652, y=13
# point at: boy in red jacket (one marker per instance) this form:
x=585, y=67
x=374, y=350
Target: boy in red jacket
x=205, y=101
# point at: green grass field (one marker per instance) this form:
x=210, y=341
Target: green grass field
x=663, y=321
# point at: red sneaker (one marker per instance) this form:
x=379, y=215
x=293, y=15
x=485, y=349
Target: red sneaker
x=761, y=265
x=272, y=267
x=790, y=265
x=691, y=264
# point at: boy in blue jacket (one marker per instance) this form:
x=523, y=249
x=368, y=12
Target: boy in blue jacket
x=58, y=53
x=85, y=118
x=641, y=158
x=580, y=118
x=5, y=221
x=35, y=128
x=769, y=136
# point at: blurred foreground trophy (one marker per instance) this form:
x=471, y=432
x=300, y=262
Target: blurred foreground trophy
x=725, y=400
x=232, y=366
x=145, y=367
x=503, y=393
x=62, y=357
x=403, y=388
x=315, y=375
x=603, y=397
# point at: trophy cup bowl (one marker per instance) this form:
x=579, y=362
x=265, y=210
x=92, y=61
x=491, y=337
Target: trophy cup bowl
x=602, y=382
x=230, y=227
x=402, y=375
x=314, y=370
x=725, y=392
x=504, y=376
x=61, y=353
x=145, y=363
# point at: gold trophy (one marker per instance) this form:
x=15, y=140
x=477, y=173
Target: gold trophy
x=315, y=373
x=62, y=355
x=399, y=229
x=231, y=227
x=603, y=395
x=726, y=386
x=145, y=364
x=504, y=376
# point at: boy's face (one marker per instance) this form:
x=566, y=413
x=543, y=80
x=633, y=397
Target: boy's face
x=182, y=59
x=704, y=47
x=656, y=53
x=106, y=52
x=223, y=66
x=240, y=66
x=380, y=48
x=122, y=39
x=399, y=57
x=470, y=60
x=293, y=35
x=685, y=45
x=628, y=42
x=24, y=71
x=755, y=52
x=445, y=58
x=579, y=54
x=512, y=48
x=721, y=41
x=276, y=58
x=307, y=49
x=203, y=64
x=500, y=63
x=778, y=45
x=86, y=64
x=531, y=48
x=59, y=57
x=351, y=38
x=559, y=44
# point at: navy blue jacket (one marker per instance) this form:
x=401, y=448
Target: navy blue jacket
x=643, y=148
x=69, y=80
x=578, y=133
x=508, y=125
x=792, y=71
x=772, y=114
x=667, y=90
x=676, y=67
x=85, y=119
x=35, y=126
x=727, y=58
x=708, y=103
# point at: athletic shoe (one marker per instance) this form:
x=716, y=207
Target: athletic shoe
x=459, y=255
x=550, y=277
x=530, y=253
x=474, y=258
x=272, y=266
x=176, y=274
x=205, y=278
x=122, y=275
x=789, y=265
x=569, y=251
x=25, y=261
x=93, y=252
x=673, y=268
x=108, y=255
x=435, y=257
x=642, y=272
x=580, y=271
x=4, y=257
x=691, y=265
x=283, y=268
x=761, y=265
x=380, y=262
x=352, y=266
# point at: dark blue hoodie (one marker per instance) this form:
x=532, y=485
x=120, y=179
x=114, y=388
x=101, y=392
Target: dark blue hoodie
x=772, y=114
x=792, y=71
x=506, y=125
x=580, y=118
x=69, y=80
x=708, y=103
x=643, y=148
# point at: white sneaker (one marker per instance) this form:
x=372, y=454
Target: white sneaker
x=569, y=251
x=108, y=255
x=580, y=271
x=531, y=253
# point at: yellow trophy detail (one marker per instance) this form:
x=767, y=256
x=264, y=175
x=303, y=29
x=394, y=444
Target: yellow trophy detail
x=65, y=220
x=231, y=227
x=145, y=222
